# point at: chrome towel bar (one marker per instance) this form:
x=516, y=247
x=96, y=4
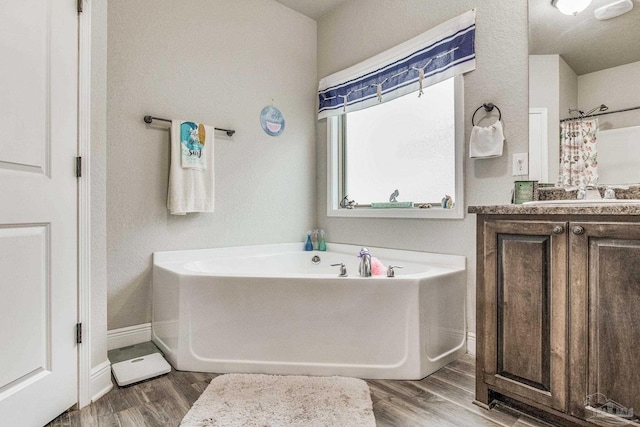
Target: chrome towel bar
x=149, y=119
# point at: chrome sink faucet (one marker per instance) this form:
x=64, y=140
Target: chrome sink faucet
x=365, y=263
x=590, y=192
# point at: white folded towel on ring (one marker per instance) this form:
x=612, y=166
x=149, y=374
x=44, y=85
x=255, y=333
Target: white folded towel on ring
x=486, y=142
x=191, y=186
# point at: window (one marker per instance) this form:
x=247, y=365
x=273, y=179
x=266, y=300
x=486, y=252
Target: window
x=412, y=144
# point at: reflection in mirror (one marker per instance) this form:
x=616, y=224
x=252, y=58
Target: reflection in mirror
x=579, y=63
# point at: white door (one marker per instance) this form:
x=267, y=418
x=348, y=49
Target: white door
x=38, y=210
x=538, y=145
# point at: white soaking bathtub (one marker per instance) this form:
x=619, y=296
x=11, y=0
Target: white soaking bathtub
x=269, y=309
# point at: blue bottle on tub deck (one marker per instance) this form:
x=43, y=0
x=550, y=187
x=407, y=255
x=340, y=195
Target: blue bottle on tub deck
x=309, y=245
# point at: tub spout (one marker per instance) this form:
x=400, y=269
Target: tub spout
x=365, y=263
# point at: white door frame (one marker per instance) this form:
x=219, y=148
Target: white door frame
x=84, y=203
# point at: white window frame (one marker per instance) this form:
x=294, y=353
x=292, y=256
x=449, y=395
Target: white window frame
x=334, y=172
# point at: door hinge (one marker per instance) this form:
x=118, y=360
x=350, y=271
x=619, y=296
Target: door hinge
x=80, y=6
x=78, y=333
x=78, y=167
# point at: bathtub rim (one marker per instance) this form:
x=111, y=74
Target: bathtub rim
x=175, y=261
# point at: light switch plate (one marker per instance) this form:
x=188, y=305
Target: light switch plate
x=520, y=164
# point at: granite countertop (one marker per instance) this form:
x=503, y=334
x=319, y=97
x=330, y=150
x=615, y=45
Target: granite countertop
x=587, y=209
x=627, y=191
x=622, y=192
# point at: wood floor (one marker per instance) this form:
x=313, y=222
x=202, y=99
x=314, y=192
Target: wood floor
x=442, y=399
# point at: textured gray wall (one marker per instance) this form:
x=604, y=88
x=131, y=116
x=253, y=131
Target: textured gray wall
x=218, y=62
x=359, y=29
x=616, y=87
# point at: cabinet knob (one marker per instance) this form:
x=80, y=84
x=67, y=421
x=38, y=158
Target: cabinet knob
x=558, y=229
x=578, y=230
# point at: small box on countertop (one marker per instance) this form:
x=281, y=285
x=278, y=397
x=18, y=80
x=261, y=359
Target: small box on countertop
x=525, y=191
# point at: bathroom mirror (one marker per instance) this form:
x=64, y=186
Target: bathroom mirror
x=580, y=62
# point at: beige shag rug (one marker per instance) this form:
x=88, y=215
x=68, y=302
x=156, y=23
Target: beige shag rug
x=271, y=400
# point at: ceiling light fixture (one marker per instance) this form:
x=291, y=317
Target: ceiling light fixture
x=570, y=7
x=613, y=10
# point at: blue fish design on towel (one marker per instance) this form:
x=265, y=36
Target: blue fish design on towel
x=192, y=143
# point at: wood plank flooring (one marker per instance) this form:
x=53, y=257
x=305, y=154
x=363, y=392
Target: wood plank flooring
x=443, y=399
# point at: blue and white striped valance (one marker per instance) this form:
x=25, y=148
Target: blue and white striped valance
x=442, y=52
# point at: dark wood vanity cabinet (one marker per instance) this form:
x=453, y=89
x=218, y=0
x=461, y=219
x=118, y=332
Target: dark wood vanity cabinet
x=604, y=303
x=558, y=315
x=525, y=309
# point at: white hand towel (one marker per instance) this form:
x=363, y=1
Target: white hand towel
x=486, y=142
x=190, y=189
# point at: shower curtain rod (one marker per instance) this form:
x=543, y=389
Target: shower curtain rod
x=149, y=119
x=600, y=114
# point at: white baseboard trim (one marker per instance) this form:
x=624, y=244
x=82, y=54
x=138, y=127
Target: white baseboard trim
x=471, y=343
x=123, y=337
x=100, y=380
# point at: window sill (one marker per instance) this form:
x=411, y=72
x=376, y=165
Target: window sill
x=430, y=213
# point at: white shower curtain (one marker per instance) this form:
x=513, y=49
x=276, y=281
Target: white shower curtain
x=578, y=153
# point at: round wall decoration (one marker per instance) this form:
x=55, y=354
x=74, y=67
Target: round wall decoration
x=272, y=121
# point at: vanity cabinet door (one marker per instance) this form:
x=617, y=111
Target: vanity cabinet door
x=525, y=322
x=605, y=320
